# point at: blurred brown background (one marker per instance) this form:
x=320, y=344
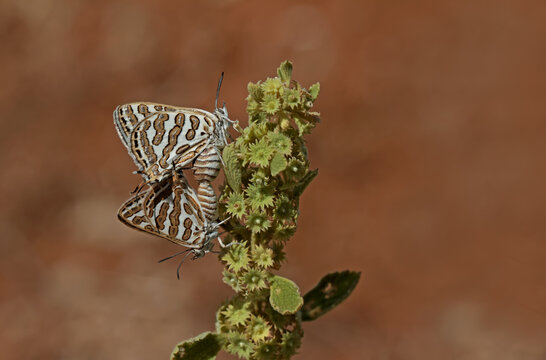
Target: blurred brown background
x=431, y=157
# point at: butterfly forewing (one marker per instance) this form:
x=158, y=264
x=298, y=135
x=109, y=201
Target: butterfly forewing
x=160, y=136
x=127, y=116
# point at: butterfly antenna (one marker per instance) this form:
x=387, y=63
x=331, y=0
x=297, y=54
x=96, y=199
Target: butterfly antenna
x=218, y=90
x=175, y=255
x=180, y=265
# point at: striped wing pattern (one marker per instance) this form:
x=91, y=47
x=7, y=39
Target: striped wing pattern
x=169, y=209
x=163, y=140
x=160, y=136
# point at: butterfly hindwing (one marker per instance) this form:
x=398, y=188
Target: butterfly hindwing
x=132, y=214
x=169, y=209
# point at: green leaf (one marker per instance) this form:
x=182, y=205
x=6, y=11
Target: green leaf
x=303, y=127
x=278, y=164
x=312, y=117
x=285, y=71
x=284, y=296
x=329, y=292
x=304, y=182
x=232, y=168
x=202, y=347
x=314, y=91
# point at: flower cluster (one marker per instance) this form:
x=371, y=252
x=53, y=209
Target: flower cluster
x=266, y=170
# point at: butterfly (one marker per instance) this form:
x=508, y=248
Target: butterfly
x=159, y=136
x=171, y=209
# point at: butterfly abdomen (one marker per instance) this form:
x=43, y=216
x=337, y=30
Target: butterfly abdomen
x=207, y=165
x=207, y=198
x=206, y=169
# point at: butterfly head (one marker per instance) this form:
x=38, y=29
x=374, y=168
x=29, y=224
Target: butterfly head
x=222, y=114
x=208, y=244
x=223, y=125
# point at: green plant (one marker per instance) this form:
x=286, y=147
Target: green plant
x=267, y=170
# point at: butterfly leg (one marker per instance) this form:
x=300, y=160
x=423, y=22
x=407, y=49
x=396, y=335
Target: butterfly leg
x=227, y=245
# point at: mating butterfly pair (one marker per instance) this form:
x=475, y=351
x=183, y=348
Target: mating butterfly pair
x=163, y=140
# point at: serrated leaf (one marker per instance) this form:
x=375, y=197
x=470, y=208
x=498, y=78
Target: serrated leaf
x=285, y=71
x=305, y=181
x=331, y=290
x=232, y=168
x=303, y=127
x=278, y=164
x=311, y=117
x=284, y=295
x=314, y=91
x=202, y=347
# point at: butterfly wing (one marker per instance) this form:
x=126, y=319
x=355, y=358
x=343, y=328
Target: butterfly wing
x=160, y=136
x=168, y=209
x=132, y=214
